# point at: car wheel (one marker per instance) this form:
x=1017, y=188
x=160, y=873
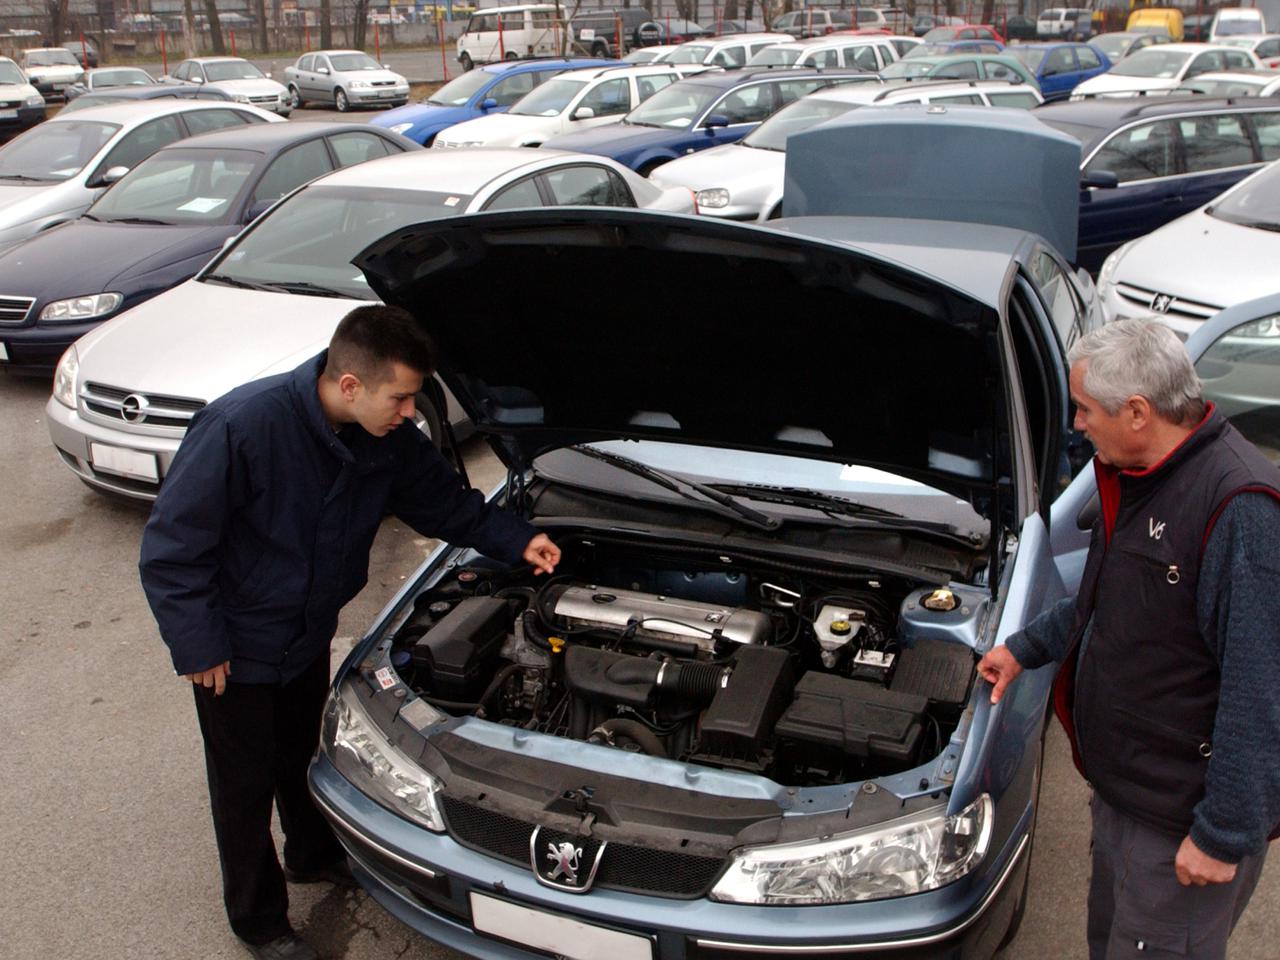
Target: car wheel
x=427, y=419
x=340, y=101
x=600, y=50
x=295, y=98
x=466, y=62
x=512, y=55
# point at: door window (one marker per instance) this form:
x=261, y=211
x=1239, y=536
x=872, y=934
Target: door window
x=960, y=70
x=790, y=90
x=1205, y=63
x=356, y=147
x=862, y=57
x=307, y=63
x=957, y=98
x=646, y=87
x=1088, y=59
x=824, y=59
x=510, y=89
x=142, y=143
x=1241, y=375
x=1022, y=100
x=202, y=121
x=1055, y=287
x=1139, y=153
x=748, y=105
x=302, y=163
x=608, y=99
x=1267, y=49
x=1267, y=127
x=1060, y=61
x=1237, y=60
x=183, y=72
x=730, y=57
x=519, y=196
x=1214, y=142
x=588, y=185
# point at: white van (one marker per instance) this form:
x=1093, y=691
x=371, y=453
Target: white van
x=509, y=33
x=1235, y=22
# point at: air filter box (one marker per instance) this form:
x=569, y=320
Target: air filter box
x=853, y=717
x=454, y=655
x=743, y=713
x=937, y=669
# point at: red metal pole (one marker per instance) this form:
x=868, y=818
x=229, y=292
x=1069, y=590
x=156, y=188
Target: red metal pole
x=668, y=34
x=502, y=46
x=84, y=53
x=233, y=42
x=444, y=61
x=164, y=55
x=377, y=43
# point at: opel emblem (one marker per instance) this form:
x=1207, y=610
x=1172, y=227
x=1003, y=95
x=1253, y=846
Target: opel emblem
x=1161, y=302
x=133, y=408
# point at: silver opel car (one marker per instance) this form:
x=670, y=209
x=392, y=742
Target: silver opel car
x=345, y=78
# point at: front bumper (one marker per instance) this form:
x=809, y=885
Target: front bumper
x=428, y=881
x=379, y=97
x=24, y=119
x=72, y=435
x=36, y=349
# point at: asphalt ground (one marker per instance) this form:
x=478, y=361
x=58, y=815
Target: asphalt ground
x=106, y=845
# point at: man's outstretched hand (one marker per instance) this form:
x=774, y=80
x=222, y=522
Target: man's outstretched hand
x=215, y=677
x=542, y=554
x=999, y=667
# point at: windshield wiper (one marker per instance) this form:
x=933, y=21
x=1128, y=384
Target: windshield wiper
x=709, y=497
x=24, y=177
x=1255, y=224
x=234, y=282
x=142, y=220
x=310, y=289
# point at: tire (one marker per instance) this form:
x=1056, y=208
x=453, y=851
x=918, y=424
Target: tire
x=340, y=101
x=466, y=61
x=427, y=419
x=600, y=50
x=512, y=55
x=295, y=98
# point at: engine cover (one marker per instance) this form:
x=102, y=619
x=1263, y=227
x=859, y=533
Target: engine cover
x=660, y=616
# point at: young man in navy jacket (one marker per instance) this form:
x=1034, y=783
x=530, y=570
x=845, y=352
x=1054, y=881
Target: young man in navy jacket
x=260, y=535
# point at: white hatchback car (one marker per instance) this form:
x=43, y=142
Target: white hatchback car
x=851, y=51
x=571, y=101
x=1163, y=67
x=744, y=180
x=51, y=70
x=124, y=393
x=238, y=78
x=53, y=172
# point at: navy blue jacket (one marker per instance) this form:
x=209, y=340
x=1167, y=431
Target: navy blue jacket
x=263, y=526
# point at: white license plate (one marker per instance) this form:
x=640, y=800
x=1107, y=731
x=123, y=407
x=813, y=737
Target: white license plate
x=126, y=463
x=8, y=114
x=555, y=934
x=4, y=352
x=386, y=93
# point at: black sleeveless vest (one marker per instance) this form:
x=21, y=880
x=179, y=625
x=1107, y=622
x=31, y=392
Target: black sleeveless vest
x=1140, y=698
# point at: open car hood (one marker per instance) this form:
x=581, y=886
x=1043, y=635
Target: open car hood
x=775, y=342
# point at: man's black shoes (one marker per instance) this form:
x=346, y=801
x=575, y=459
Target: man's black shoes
x=288, y=947
x=337, y=873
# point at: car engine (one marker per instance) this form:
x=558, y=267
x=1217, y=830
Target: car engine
x=804, y=679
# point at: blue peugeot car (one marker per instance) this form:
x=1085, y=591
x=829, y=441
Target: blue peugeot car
x=742, y=718
x=492, y=88
x=700, y=112
x=1059, y=67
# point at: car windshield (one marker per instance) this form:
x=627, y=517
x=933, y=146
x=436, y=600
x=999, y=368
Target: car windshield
x=180, y=187
x=9, y=73
x=1151, y=62
x=1237, y=26
x=794, y=117
x=548, y=100
x=120, y=78
x=775, y=56
x=908, y=67
x=54, y=151
x=85, y=101
x=928, y=50
x=689, y=53
x=1113, y=47
x=1255, y=203
x=351, y=62
x=457, y=92
x=51, y=58
x=309, y=240
x=676, y=107
x=231, y=70
x=1029, y=57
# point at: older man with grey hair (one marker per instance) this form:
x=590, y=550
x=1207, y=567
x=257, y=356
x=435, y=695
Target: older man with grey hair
x=1170, y=652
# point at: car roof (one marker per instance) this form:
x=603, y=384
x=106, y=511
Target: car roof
x=269, y=137
x=731, y=39
x=622, y=69
x=876, y=93
x=1187, y=47
x=453, y=171
x=732, y=78
x=1050, y=44
x=1106, y=113
x=42, y=49
x=512, y=8
x=216, y=59
x=135, y=111
x=536, y=63
x=329, y=52
x=838, y=40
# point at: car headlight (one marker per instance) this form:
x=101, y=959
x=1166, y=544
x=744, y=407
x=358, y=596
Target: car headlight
x=1106, y=276
x=36, y=101
x=360, y=751
x=1268, y=327
x=715, y=198
x=240, y=98
x=917, y=853
x=65, y=377
x=81, y=308
x=401, y=127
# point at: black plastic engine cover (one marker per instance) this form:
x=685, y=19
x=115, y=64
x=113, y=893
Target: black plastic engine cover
x=937, y=669
x=854, y=717
x=743, y=713
x=454, y=653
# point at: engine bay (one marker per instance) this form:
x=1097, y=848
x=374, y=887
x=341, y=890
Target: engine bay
x=805, y=676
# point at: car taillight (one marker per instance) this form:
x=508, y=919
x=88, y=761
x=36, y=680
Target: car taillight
x=829, y=29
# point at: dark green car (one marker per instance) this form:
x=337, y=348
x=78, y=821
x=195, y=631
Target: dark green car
x=959, y=66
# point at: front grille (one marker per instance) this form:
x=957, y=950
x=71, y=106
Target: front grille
x=149, y=409
x=1178, y=307
x=382, y=83
x=9, y=104
x=14, y=310
x=271, y=99
x=635, y=869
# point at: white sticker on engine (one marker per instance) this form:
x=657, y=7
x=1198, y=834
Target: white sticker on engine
x=386, y=679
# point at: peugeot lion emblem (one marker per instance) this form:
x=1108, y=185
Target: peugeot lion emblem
x=1161, y=302
x=566, y=857
x=565, y=861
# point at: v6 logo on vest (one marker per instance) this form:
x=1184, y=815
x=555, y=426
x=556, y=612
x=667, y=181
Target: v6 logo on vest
x=1155, y=530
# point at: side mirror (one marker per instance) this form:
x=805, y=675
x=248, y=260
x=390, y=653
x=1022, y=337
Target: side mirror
x=1102, y=179
x=716, y=120
x=197, y=79
x=583, y=113
x=110, y=176
x=489, y=103
x=253, y=213
x=386, y=66
x=324, y=70
x=269, y=73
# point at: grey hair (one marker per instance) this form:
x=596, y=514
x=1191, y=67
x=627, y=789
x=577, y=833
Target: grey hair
x=1143, y=358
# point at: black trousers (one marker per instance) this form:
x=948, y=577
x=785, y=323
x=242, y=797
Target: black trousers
x=258, y=740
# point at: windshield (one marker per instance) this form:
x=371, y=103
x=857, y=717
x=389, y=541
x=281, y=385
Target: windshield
x=908, y=68
x=550, y=99
x=1255, y=203
x=51, y=58
x=1151, y=62
x=231, y=70
x=120, y=78
x=180, y=187
x=689, y=53
x=676, y=107
x=54, y=151
x=928, y=50
x=1237, y=26
x=775, y=56
x=794, y=117
x=1031, y=58
x=457, y=92
x=9, y=72
x=312, y=237
x=347, y=62
x=1113, y=47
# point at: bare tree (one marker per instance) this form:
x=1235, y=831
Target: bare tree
x=215, y=26
x=188, y=29
x=730, y=10
x=260, y=11
x=326, y=30
x=361, y=15
x=57, y=10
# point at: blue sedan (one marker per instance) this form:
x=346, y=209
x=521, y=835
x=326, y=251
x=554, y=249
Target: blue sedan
x=700, y=112
x=1058, y=67
x=489, y=89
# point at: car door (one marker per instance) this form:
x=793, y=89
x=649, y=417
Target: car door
x=204, y=121
x=358, y=146
x=1090, y=64
x=585, y=184
x=307, y=78
x=139, y=143
x=1059, y=73
x=1217, y=152
x=296, y=166
x=1144, y=159
x=609, y=101
x=742, y=109
x=1210, y=61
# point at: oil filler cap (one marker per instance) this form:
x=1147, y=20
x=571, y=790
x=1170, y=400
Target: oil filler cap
x=841, y=628
x=943, y=601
